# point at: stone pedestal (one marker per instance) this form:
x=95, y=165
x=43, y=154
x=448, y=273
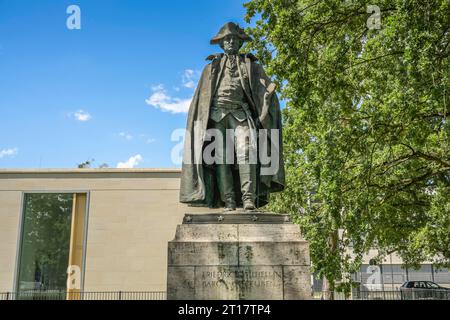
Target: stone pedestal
x=238, y=256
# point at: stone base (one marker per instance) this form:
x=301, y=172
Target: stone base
x=238, y=256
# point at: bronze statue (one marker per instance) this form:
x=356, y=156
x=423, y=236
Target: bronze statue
x=233, y=95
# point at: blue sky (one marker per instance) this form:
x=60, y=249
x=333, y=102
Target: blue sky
x=113, y=91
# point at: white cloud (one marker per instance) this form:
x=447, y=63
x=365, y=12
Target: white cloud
x=189, y=78
x=126, y=135
x=161, y=100
x=82, y=115
x=158, y=87
x=8, y=152
x=131, y=162
x=147, y=139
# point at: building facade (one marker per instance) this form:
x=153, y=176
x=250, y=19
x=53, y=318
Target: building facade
x=110, y=226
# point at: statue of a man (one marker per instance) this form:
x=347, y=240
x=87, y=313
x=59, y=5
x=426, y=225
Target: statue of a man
x=234, y=94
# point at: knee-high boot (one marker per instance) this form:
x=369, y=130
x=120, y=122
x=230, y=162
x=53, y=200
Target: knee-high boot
x=247, y=175
x=226, y=188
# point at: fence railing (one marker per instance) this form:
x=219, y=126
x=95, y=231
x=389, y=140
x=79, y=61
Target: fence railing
x=63, y=295
x=407, y=294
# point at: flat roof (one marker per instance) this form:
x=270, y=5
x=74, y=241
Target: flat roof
x=90, y=170
x=91, y=173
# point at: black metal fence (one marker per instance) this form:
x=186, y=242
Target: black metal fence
x=62, y=295
x=408, y=294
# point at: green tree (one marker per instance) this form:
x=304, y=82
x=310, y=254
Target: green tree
x=46, y=240
x=366, y=130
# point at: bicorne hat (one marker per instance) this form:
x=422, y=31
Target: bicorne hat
x=230, y=28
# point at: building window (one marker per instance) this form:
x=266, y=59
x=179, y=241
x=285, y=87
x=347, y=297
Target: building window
x=52, y=240
x=441, y=275
x=424, y=273
x=394, y=275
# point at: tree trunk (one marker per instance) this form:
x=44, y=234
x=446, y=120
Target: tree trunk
x=328, y=284
x=327, y=290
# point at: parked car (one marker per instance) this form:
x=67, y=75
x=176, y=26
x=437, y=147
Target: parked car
x=419, y=290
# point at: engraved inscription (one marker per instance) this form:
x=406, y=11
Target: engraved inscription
x=253, y=282
x=202, y=253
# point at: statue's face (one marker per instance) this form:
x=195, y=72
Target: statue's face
x=231, y=44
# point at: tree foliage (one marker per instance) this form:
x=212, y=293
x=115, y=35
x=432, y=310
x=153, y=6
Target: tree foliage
x=46, y=240
x=366, y=131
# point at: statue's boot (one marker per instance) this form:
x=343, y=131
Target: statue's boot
x=247, y=175
x=225, y=183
